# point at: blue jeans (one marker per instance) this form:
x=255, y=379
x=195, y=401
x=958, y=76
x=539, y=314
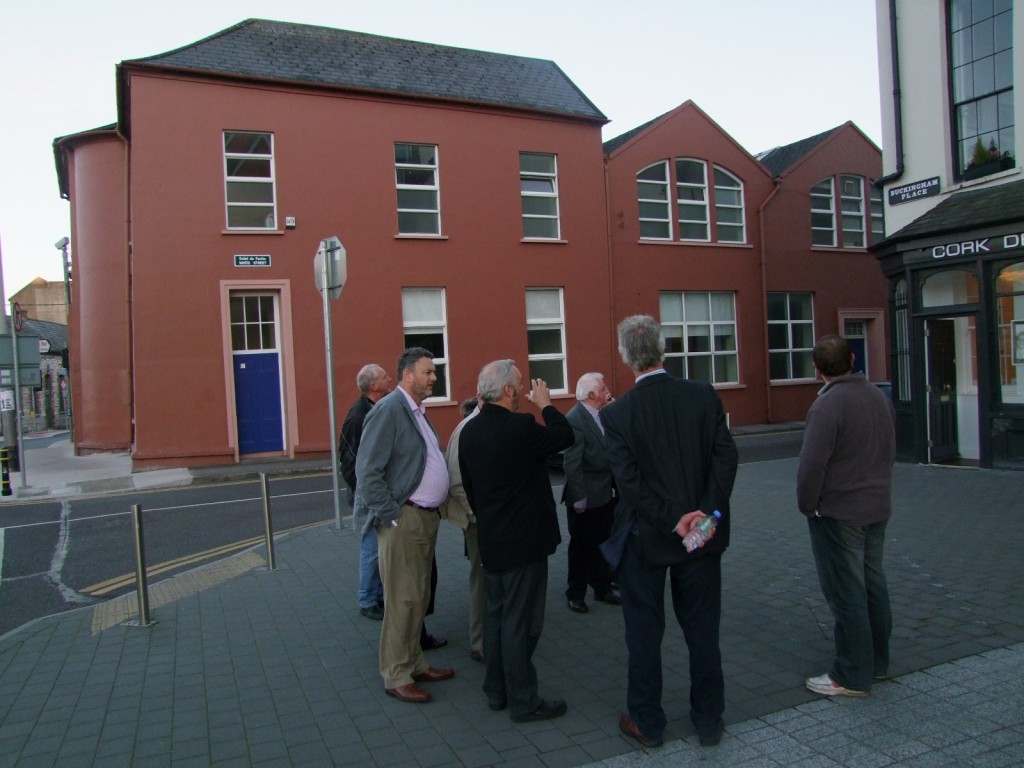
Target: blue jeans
x=697, y=602
x=371, y=591
x=849, y=563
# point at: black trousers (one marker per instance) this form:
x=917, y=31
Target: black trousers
x=587, y=566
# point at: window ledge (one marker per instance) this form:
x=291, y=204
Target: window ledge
x=437, y=402
x=551, y=240
x=259, y=231
x=401, y=236
x=839, y=248
x=695, y=244
x=963, y=184
x=733, y=385
x=795, y=382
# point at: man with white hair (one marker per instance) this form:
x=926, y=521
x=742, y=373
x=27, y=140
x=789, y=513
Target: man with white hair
x=589, y=496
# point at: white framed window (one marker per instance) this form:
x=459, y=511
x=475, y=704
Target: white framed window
x=425, y=324
x=692, y=199
x=852, y=202
x=790, y=336
x=419, y=191
x=730, y=225
x=654, y=206
x=249, y=194
x=538, y=184
x=877, y=215
x=545, y=337
x=823, y=213
x=700, y=335
x=253, y=322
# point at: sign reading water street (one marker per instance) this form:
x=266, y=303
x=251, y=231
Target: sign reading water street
x=252, y=260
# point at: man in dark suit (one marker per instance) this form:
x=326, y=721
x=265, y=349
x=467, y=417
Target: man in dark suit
x=674, y=462
x=502, y=457
x=589, y=496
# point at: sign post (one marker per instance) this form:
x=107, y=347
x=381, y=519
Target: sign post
x=330, y=270
x=17, y=324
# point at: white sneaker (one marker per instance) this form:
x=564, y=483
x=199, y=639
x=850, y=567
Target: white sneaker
x=826, y=686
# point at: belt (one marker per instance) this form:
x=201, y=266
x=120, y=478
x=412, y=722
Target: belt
x=420, y=506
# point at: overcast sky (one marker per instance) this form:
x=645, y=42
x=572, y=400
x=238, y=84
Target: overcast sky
x=769, y=73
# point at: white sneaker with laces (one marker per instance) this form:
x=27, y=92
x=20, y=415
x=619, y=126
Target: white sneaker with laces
x=826, y=686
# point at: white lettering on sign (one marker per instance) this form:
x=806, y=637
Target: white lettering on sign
x=961, y=249
x=1012, y=241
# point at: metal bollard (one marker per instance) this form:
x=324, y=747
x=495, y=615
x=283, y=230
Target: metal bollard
x=269, y=527
x=140, y=568
x=5, y=473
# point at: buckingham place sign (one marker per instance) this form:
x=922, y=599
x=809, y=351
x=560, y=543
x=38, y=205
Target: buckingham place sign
x=904, y=193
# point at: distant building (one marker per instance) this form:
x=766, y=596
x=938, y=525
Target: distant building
x=954, y=208
x=43, y=300
x=483, y=218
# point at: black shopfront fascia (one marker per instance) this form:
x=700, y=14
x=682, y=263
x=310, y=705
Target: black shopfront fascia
x=983, y=253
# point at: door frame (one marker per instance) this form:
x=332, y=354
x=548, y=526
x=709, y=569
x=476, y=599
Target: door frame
x=282, y=288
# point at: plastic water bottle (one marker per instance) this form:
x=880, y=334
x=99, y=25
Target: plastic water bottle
x=697, y=537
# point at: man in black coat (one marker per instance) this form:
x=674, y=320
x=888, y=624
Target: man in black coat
x=674, y=463
x=502, y=457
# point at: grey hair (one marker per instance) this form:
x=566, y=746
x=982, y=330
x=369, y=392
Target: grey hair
x=640, y=342
x=368, y=376
x=468, y=406
x=493, y=379
x=589, y=382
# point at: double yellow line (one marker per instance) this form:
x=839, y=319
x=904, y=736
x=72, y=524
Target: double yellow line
x=119, y=582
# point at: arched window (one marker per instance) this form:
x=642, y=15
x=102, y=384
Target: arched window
x=730, y=226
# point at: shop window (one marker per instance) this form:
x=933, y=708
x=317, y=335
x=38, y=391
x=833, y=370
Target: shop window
x=700, y=335
x=948, y=288
x=1010, y=331
x=901, y=342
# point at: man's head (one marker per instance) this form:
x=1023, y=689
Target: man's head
x=640, y=342
x=374, y=382
x=468, y=405
x=501, y=383
x=592, y=390
x=832, y=356
x=416, y=373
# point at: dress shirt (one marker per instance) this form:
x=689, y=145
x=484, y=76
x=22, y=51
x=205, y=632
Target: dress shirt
x=433, y=487
x=595, y=413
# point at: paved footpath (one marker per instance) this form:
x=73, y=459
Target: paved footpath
x=251, y=667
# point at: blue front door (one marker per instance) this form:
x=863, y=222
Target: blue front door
x=258, y=402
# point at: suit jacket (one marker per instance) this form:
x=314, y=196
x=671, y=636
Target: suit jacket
x=670, y=453
x=351, y=434
x=390, y=463
x=457, y=509
x=588, y=474
x=501, y=455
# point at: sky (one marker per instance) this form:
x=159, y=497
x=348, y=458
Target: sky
x=769, y=73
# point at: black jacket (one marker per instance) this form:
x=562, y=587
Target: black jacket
x=502, y=455
x=351, y=434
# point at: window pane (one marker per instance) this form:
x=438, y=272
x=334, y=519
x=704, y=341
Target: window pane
x=655, y=172
x=422, y=305
x=543, y=305
x=676, y=366
x=251, y=217
x=267, y=341
x=654, y=230
x=540, y=206
x=670, y=306
x=544, y=228
x=690, y=172
x=803, y=367
x=267, y=309
x=544, y=341
x=415, y=154
x=535, y=163
x=652, y=191
x=778, y=363
x=549, y=370
x=803, y=335
x=725, y=338
x=252, y=336
x=237, y=309
x=698, y=338
x=800, y=306
x=418, y=223
x=777, y=306
x=726, y=369
x=416, y=199
x=722, y=307
x=693, y=231
x=673, y=335
x=699, y=368
x=238, y=338
x=778, y=336
x=250, y=192
x=247, y=143
x=430, y=339
x=539, y=186
x=698, y=307
x=246, y=166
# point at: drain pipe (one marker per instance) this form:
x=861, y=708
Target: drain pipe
x=897, y=99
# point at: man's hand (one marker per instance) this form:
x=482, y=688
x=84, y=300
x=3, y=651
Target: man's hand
x=688, y=522
x=539, y=393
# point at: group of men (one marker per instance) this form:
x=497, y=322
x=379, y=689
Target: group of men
x=641, y=471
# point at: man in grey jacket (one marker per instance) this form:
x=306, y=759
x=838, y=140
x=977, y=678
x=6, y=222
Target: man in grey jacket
x=403, y=480
x=844, y=489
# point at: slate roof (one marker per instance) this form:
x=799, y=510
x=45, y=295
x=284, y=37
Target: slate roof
x=612, y=144
x=55, y=333
x=300, y=53
x=962, y=211
x=781, y=159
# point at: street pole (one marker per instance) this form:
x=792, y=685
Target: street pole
x=62, y=246
x=329, y=344
x=17, y=396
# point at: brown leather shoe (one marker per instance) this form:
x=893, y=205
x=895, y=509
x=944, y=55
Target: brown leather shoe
x=410, y=693
x=631, y=729
x=434, y=675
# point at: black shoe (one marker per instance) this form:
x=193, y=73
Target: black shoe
x=712, y=737
x=548, y=710
x=497, y=704
x=374, y=612
x=578, y=606
x=609, y=597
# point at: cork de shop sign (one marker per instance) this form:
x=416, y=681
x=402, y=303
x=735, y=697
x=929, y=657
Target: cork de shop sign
x=977, y=247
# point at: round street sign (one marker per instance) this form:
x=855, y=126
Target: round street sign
x=19, y=318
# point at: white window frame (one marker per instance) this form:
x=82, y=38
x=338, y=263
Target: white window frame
x=653, y=204
x=691, y=320
x=877, y=214
x=851, y=189
x=695, y=204
x=428, y=325
x=230, y=179
x=548, y=323
x=722, y=190
x=790, y=348
x=432, y=184
x=820, y=211
x=539, y=188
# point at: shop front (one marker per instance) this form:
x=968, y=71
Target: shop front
x=957, y=304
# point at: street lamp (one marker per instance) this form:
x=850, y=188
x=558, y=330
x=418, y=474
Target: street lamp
x=62, y=246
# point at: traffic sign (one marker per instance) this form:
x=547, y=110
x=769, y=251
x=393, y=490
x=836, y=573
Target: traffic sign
x=336, y=268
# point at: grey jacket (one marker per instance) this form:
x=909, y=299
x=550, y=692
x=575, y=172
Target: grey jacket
x=849, y=447
x=587, y=472
x=390, y=462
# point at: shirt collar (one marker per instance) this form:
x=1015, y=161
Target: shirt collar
x=650, y=373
